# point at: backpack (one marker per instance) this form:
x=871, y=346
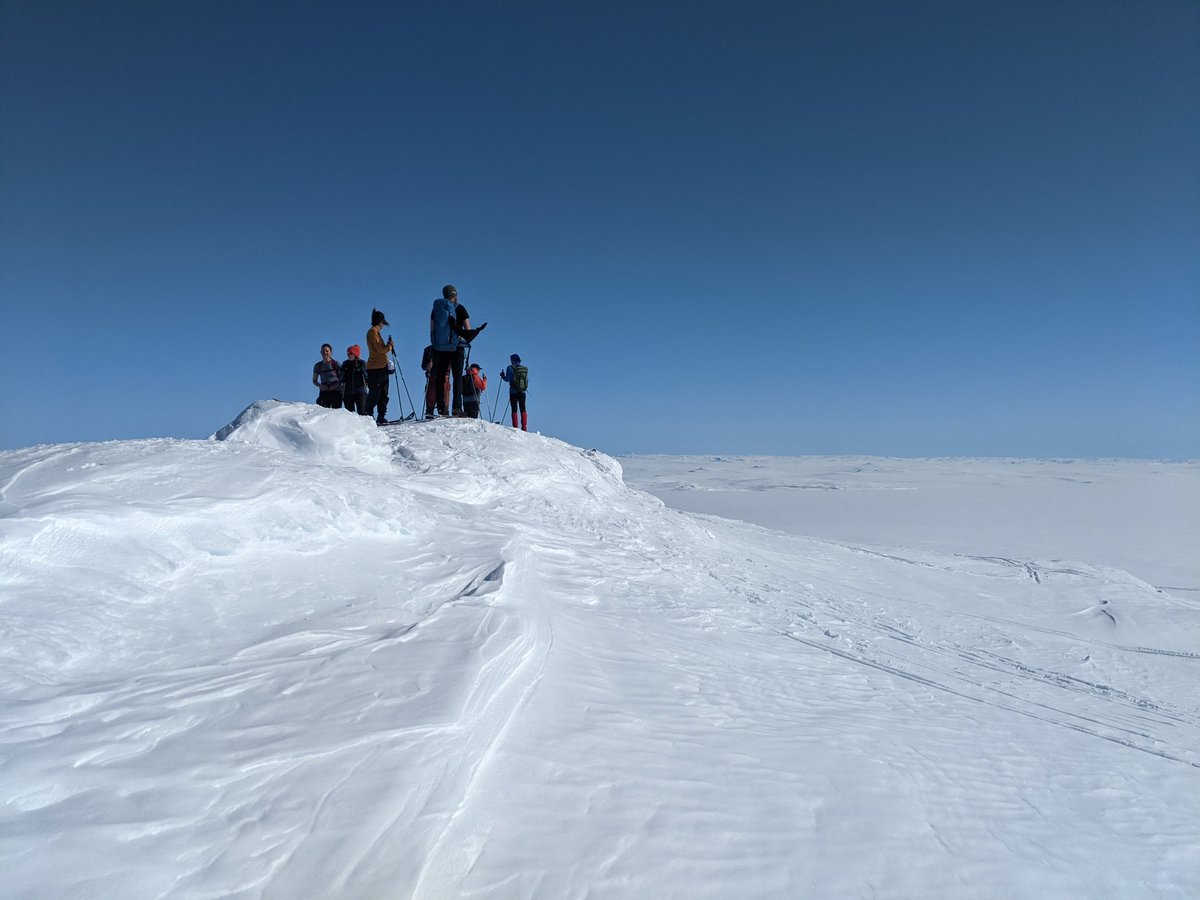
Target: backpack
x=441, y=331
x=520, y=379
x=354, y=376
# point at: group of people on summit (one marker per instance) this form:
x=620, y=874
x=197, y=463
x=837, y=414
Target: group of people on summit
x=452, y=388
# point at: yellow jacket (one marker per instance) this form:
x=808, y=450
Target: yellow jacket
x=377, y=349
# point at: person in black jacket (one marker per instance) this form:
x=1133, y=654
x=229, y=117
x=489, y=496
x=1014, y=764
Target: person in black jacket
x=431, y=390
x=354, y=381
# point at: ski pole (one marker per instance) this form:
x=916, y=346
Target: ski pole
x=495, y=406
x=400, y=374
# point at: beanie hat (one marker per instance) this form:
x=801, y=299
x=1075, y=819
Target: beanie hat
x=354, y=351
x=378, y=318
x=516, y=360
x=449, y=291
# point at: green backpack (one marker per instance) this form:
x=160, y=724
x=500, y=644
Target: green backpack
x=520, y=380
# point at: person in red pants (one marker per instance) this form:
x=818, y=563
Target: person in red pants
x=431, y=393
x=517, y=377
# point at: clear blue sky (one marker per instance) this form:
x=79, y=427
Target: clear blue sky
x=898, y=228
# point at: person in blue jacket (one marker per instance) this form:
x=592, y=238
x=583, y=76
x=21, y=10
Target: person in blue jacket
x=517, y=377
x=449, y=332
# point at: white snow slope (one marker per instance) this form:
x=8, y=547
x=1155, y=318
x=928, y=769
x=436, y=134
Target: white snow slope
x=313, y=658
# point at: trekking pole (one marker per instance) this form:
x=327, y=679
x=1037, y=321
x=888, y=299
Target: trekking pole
x=396, y=360
x=495, y=405
x=413, y=414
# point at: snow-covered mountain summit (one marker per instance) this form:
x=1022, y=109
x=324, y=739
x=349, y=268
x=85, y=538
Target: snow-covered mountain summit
x=310, y=657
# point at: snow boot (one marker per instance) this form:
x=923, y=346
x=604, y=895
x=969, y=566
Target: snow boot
x=514, y=418
x=524, y=421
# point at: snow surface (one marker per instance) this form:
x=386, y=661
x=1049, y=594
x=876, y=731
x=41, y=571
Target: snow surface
x=313, y=658
x=1136, y=515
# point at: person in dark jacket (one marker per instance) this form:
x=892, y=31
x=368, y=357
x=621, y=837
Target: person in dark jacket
x=354, y=381
x=466, y=334
x=430, y=391
x=517, y=377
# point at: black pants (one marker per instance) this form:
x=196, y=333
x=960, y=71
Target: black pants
x=517, y=400
x=356, y=403
x=377, y=396
x=330, y=399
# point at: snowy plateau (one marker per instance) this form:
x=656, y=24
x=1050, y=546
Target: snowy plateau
x=312, y=658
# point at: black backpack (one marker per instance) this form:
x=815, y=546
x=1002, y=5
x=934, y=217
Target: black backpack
x=354, y=375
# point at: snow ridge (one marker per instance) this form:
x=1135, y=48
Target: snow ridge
x=313, y=657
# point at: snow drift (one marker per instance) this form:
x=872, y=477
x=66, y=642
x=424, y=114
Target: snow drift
x=310, y=657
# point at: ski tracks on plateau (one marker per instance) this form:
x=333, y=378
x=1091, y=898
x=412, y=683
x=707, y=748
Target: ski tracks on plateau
x=961, y=642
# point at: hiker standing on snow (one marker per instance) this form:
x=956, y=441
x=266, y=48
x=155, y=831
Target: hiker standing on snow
x=354, y=381
x=449, y=331
x=430, y=392
x=517, y=377
x=377, y=367
x=474, y=384
x=327, y=376
x=466, y=334
x=444, y=342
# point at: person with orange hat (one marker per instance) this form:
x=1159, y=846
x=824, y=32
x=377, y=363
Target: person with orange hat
x=354, y=381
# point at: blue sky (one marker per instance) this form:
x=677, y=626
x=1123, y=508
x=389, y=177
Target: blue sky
x=896, y=228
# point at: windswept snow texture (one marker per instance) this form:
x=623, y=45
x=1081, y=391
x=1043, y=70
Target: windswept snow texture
x=318, y=659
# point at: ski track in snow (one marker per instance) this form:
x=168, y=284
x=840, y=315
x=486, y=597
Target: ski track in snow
x=454, y=660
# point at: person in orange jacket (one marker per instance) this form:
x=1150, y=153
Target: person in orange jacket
x=377, y=367
x=474, y=384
